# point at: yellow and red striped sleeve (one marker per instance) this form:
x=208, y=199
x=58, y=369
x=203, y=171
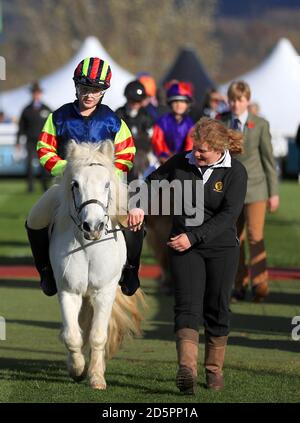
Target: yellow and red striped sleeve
x=47, y=149
x=124, y=149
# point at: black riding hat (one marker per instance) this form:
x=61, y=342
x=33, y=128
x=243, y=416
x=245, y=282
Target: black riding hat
x=135, y=91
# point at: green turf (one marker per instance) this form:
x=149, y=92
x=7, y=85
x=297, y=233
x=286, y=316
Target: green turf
x=262, y=362
x=282, y=228
x=15, y=204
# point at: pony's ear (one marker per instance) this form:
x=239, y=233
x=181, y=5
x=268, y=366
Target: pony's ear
x=71, y=148
x=107, y=148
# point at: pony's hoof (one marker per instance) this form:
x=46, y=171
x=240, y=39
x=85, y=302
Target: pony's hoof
x=77, y=368
x=79, y=377
x=98, y=382
x=98, y=385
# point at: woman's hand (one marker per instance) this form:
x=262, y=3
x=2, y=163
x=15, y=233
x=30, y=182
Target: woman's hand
x=135, y=217
x=273, y=203
x=180, y=243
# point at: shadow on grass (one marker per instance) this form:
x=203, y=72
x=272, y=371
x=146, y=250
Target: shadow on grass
x=36, y=323
x=282, y=222
x=43, y=370
x=259, y=325
x=141, y=388
x=19, y=283
x=19, y=260
x=56, y=372
x=283, y=298
x=113, y=373
x=161, y=326
x=276, y=297
x=271, y=325
x=272, y=344
x=31, y=351
x=14, y=244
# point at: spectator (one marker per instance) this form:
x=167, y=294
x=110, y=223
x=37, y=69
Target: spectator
x=262, y=190
x=297, y=140
x=3, y=118
x=214, y=103
x=31, y=122
x=279, y=142
x=140, y=124
x=171, y=133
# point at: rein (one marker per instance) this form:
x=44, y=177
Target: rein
x=123, y=228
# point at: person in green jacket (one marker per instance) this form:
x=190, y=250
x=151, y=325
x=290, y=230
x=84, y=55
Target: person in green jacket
x=262, y=190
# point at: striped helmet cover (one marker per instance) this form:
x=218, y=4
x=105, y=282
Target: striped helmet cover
x=93, y=72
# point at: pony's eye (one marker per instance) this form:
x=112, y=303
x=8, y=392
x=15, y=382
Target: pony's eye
x=107, y=185
x=75, y=184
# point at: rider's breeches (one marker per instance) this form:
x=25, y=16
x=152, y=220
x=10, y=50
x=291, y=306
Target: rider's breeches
x=41, y=214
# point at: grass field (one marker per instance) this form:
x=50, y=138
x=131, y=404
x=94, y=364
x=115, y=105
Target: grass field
x=282, y=228
x=262, y=363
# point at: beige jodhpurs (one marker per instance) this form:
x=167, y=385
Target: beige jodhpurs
x=252, y=220
x=42, y=212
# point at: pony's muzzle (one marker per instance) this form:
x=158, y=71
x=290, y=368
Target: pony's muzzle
x=92, y=234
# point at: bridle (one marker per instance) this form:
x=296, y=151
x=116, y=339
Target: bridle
x=78, y=209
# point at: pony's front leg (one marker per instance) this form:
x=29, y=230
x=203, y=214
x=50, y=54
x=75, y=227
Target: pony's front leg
x=102, y=303
x=71, y=334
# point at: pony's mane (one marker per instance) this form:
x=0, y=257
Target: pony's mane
x=84, y=154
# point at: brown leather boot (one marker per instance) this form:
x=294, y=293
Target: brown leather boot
x=260, y=291
x=215, y=347
x=187, y=343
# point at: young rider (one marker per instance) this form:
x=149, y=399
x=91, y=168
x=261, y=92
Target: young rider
x=84, y=120
x=171, y=133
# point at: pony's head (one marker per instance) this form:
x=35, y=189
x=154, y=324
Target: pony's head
x=90, y=186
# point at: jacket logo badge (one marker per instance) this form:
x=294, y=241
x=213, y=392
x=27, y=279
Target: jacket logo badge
x=218, y=186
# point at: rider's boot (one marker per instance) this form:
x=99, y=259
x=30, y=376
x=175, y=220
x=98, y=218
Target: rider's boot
x=130, y=279
x=39, y=243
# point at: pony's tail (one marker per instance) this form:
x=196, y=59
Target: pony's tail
x=126, y=319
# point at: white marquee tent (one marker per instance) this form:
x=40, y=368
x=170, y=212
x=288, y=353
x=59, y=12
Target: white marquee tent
x=58, y=87
x=275, y=86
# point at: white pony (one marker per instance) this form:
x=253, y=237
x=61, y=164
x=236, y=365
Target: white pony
x=87, y=253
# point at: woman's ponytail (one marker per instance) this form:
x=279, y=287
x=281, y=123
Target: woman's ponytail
x=235, y=141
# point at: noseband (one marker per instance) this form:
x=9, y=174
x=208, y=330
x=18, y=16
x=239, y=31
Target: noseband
x=79, y=208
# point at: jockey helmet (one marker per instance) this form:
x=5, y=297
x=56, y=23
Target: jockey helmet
x=149, y=83
x=93, y=72
x=177, y=90
x=135, y=91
